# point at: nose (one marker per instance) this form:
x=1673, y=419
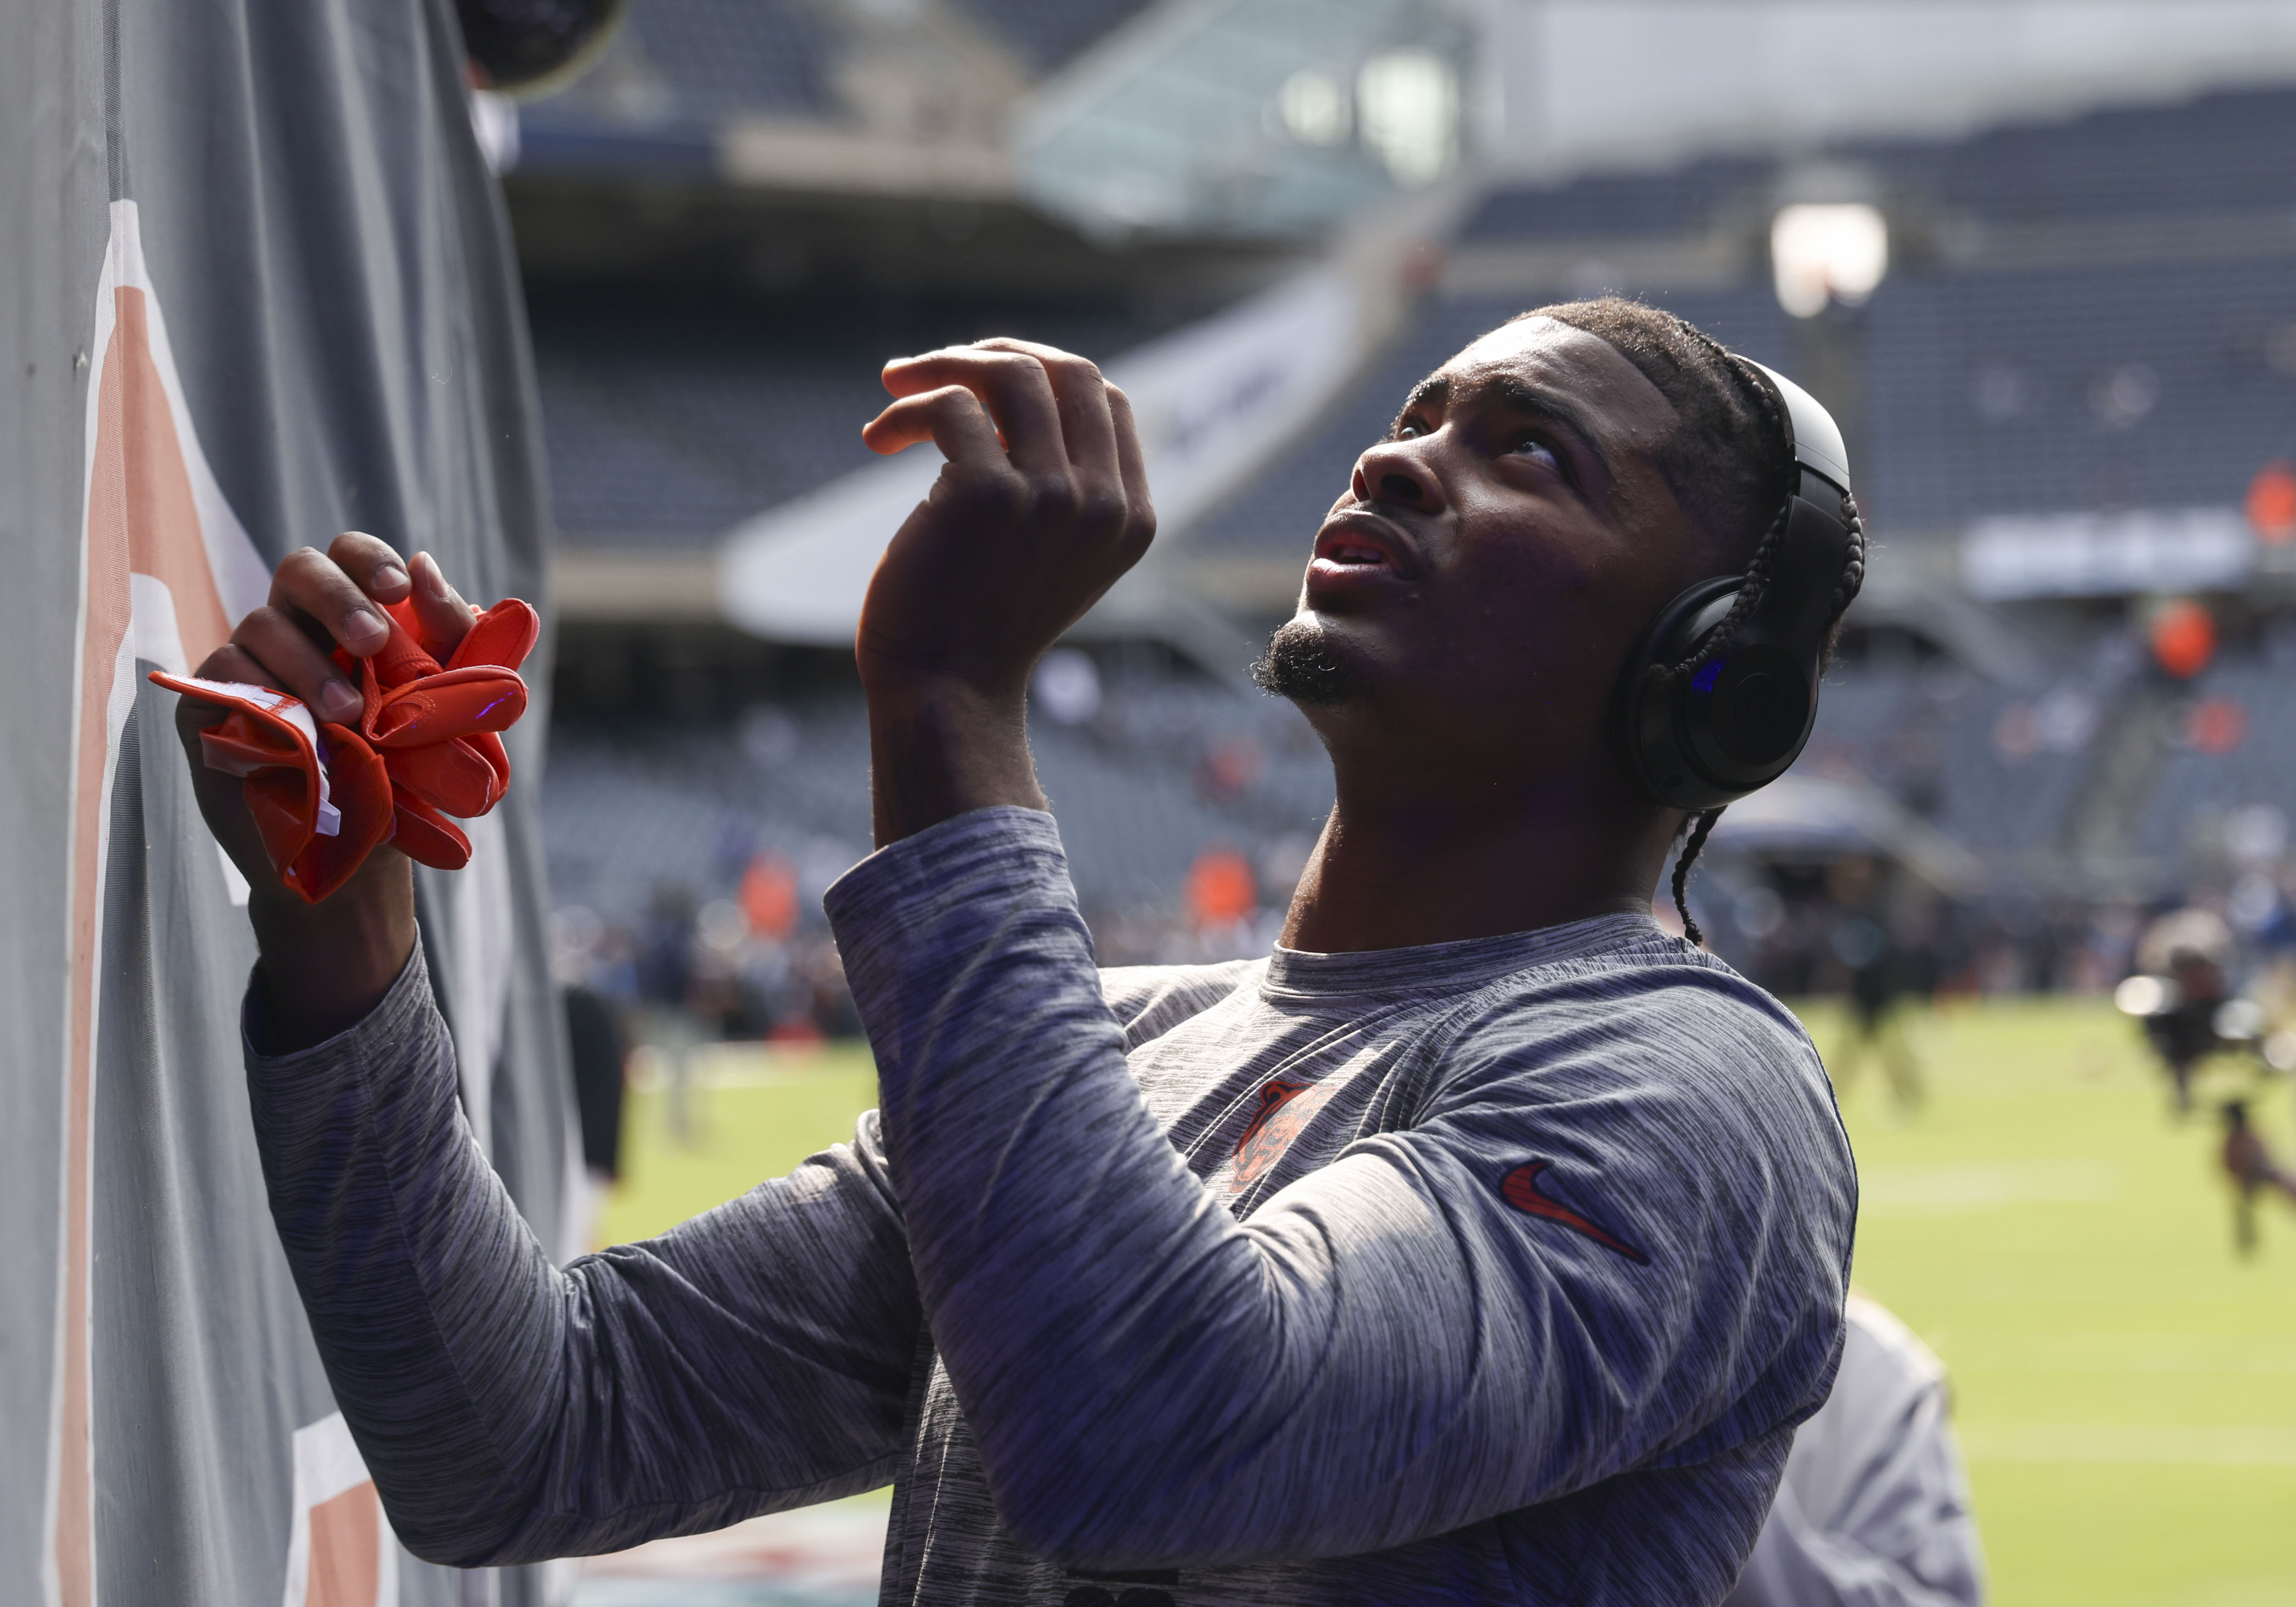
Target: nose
x=1393, y=474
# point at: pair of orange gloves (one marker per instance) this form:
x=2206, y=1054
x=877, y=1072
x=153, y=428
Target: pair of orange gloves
x=427, y=746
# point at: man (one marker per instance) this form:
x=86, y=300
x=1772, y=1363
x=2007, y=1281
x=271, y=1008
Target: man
x=1483, y=1243
x=1874, y=1511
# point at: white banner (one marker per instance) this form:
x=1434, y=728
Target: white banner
x=2019, y=556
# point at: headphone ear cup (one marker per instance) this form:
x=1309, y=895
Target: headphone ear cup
x=1656, y=702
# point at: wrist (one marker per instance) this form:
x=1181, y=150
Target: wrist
x=322, y=967
x=940, y=746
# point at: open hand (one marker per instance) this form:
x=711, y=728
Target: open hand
x=1042, y=505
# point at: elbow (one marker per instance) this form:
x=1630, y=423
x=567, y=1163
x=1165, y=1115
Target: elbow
x=457, y=1539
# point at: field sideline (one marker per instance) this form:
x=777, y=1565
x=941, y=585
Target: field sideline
x=2126, y=1387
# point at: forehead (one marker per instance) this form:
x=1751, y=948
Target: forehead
x=1583, y=371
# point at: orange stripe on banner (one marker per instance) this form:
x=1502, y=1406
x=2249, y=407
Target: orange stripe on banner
x=346, y=1549
x=141, y=516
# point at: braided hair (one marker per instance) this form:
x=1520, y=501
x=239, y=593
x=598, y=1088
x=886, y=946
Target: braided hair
x=1730, y=465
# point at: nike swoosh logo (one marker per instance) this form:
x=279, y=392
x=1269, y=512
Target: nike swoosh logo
x=1520, y=1188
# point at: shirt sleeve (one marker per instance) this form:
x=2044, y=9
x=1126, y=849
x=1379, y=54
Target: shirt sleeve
x=1399, y=1344
x=757, y=1357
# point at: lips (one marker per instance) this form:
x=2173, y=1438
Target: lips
x=1358, y=543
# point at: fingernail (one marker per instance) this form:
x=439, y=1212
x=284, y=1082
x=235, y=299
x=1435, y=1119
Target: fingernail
x=388, y=576
x=340, y=703
x=434, y=579
x=360, y=624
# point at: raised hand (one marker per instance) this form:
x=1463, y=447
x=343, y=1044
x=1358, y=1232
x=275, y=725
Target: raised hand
x=1042, y=506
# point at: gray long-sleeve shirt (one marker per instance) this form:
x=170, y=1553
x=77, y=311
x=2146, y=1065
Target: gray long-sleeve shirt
x=1488, y=1271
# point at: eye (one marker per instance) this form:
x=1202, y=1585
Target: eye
x=1407, y=429
x=1538, y=451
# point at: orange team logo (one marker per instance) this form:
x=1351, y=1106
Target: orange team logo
x=1520, y=1188
x=1286, y=1106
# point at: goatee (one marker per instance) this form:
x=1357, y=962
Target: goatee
x=1300, y=665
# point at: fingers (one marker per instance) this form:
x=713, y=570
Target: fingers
x=311, y=585
x=1088, y=426
x=952, y=418
x=1098, y=476
x=273, y=648
x=445, y=618
x=1132, y=467
x=1016, y=389
x=377, y=569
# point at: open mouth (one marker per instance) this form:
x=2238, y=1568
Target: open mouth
x=1355, y=543
x=1349, y=552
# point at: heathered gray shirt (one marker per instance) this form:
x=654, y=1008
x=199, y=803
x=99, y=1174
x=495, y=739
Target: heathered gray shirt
x=1494, y=1271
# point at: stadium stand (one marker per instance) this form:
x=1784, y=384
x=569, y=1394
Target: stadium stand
x=2230, y=746
x=1050, y=33
x=2214, y=152
x=681, y=68
x=2091, y=314
x=1166, y=767
x=2152, y=385
x=670, y=418
x=1621, y=206
x=676, y=70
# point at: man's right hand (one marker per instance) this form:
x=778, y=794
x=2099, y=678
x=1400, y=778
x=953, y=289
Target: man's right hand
x=324, y=966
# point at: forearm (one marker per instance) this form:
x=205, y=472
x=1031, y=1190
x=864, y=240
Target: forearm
x=941, y=747
x=419, y=1278
x=756, y=1358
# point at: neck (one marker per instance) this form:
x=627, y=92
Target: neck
x=1397, y=868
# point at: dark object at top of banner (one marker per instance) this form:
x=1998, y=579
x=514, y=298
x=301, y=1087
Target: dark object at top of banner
x=531, y=47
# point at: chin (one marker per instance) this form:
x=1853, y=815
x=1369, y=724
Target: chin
x=1306, y=662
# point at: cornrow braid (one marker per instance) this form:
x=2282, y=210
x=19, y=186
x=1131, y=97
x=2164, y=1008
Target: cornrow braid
x=1699, y=833
x=1749, y=593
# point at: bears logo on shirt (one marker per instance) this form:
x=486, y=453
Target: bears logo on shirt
x=1286, y=1105
x=1520, y=1188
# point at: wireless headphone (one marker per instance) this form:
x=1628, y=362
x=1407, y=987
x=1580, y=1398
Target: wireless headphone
x=1706, y=739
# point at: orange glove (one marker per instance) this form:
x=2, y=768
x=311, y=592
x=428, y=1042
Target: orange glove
x=427, y=747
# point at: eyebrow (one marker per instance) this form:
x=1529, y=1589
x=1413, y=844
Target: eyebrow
x=1520, y=396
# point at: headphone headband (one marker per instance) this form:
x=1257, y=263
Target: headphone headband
x=1812, y=436
x=1701, y=740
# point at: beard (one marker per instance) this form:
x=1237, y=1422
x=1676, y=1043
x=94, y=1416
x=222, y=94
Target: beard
x=1300, y=664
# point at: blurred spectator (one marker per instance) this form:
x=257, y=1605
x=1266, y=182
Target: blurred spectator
x=1221, y=889
x=1873, y=1510
x=665, y=979
x=768, y=896
x=599, y=1051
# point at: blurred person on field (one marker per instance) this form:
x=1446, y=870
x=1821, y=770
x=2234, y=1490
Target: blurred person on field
x=1879, y=972
x=2192, y=948
x=2252, y=1167
x=1875, y=1509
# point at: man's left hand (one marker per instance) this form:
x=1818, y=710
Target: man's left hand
x=1042, y=506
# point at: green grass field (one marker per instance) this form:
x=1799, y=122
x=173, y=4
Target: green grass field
x=2125, y=1386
